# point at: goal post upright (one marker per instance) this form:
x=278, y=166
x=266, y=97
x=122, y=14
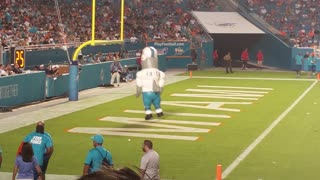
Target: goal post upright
x=73, y=68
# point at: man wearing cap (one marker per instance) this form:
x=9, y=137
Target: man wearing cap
x=93, y=161
x=42, y=146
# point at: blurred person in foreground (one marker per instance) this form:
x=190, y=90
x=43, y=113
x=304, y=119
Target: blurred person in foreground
x=112, y=174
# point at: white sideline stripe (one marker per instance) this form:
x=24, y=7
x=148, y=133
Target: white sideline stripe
x=249, y=149
x=236, y=87
x=164, y=121
x=214, y=96
x=183, y=114
x=226, y=91
x=247, y=78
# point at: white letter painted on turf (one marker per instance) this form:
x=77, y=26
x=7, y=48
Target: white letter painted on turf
x=160, y=127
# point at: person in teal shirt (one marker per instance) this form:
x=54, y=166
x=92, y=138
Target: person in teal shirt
x=312, y=65
x=298, y=60
x=42, y=145
x=93, y=161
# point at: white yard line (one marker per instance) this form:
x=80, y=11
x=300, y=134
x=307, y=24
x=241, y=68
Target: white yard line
x=226, y=91
x=248, y=78
x=250, y=148
x=213, y=96
x=237, y=87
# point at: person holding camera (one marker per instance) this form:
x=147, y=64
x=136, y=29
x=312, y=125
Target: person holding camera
x=116, y=70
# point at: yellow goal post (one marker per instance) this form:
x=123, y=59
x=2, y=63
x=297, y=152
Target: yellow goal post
x=94, y=42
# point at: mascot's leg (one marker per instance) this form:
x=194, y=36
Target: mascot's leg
x=147, y=99
x=156, y=103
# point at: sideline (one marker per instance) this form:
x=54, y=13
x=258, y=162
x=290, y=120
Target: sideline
x=8, y=176
x=249, y=78
x=250, y=148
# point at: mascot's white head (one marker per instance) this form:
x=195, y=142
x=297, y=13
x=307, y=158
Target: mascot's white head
x=149, y=58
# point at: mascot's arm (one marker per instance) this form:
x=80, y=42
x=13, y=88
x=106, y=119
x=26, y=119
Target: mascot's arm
x=138, y=84
x=161, y=81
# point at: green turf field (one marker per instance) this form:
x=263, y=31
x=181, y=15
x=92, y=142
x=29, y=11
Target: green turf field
x=290, y=151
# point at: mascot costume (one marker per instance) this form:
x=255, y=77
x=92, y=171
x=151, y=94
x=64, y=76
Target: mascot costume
x=150, y=81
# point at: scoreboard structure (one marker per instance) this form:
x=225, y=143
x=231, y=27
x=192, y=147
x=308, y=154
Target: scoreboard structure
x=18, y=56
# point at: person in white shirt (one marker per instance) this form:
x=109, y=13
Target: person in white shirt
x=2, y=71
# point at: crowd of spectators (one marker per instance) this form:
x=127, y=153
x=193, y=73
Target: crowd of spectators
x=36, y=22
x=297, y=20
x=13, y=69
x=10, y=69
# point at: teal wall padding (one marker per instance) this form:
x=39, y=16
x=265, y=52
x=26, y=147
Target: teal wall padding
x=21, y=89
x=276, y=53
x=57, y=86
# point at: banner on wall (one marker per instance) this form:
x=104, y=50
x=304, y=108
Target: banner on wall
x=172, y=48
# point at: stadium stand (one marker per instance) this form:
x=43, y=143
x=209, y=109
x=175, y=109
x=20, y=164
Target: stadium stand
x=296, y=20
x=35, y=22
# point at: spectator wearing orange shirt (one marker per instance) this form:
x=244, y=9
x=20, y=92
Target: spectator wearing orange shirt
x=259, y=59
x=244, y=58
